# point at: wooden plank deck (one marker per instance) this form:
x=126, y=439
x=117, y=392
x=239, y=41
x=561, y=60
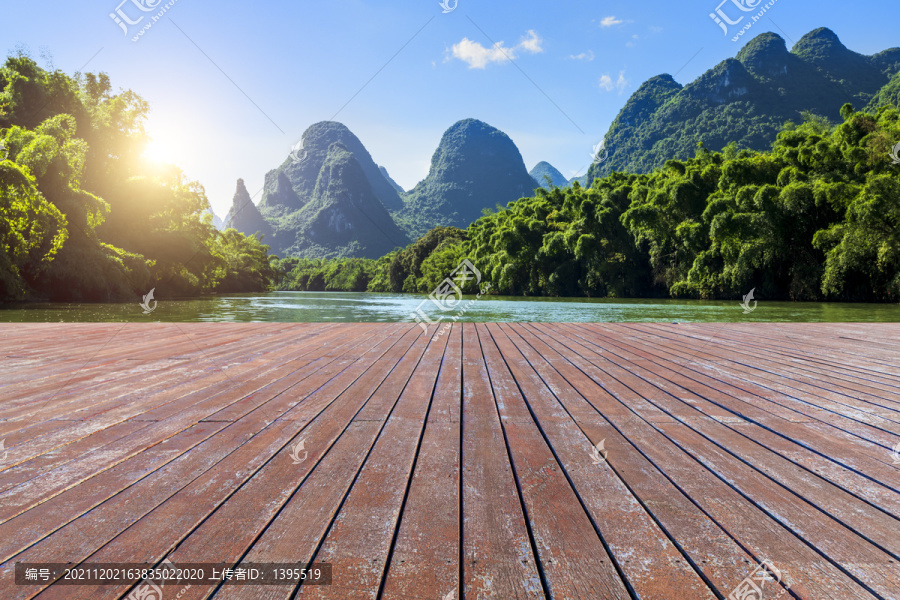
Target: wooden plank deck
x=507, y=461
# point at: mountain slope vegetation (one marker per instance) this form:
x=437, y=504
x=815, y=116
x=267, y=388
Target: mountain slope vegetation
x=816, y=217
x=475, y=167
x=744, y=100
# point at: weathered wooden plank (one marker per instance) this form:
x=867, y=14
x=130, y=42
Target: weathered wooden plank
x=695, y=413
x=637, y=542
x=812, y=348
x=131, y=342
x=148, y=406
x=294, y=534
x=811, y=576
x=426, y=553
x=572, y=552
x=853, y=384
x=249, y=395
x=72, y=397
x=463, y=469
x=708, y=547
x=153, y=537
x=498, y=560
x=359, y=541
x=789, y=406
x=232, y=453
x=795, y=366
x=850, y=449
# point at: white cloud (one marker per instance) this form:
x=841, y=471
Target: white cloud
x=479, y=57
x=589, y=56
x=531, y=43
x=606, y=82
x=610, y=21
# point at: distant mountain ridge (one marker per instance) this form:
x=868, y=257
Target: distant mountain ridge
x=746, y=100
x=330, y=199
x=217, y=222
x=323, y=201
x=542, y=170
x=889, y=95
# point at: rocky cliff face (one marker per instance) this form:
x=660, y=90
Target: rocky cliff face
x=244, y=215
x=343, y=216
x=301, y=171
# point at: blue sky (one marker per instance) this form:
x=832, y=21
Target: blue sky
x=233, y=85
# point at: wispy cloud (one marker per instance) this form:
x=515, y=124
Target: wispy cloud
x=479, y=57
x=607, y=83
x=610, y=21
x=531, y=42
x=589, y=55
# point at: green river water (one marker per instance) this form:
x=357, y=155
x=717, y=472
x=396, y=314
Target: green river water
x=289, y=307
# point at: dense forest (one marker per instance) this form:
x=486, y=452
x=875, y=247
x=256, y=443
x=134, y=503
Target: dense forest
x=85, y=217
x=817, y=217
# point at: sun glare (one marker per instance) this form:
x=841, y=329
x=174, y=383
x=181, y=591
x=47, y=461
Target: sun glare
x=156, y=152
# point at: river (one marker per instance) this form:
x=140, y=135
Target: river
x=293, y=307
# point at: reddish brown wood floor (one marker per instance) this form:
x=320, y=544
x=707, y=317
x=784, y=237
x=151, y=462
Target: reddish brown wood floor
x=465, y=466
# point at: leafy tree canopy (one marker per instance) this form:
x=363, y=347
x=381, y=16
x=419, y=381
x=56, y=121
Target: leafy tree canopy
x=85, y=217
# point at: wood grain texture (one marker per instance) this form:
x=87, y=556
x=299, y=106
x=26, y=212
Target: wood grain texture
x=492, y=461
